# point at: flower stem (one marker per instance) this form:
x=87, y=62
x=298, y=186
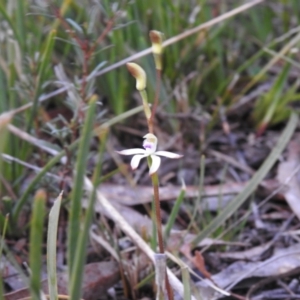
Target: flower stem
x=154, y=177
x=157, y=93
x=155, y=184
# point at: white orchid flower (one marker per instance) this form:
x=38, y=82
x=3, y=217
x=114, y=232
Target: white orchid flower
x=150, y=145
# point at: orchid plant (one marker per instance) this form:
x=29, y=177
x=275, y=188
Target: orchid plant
x=149, y=151
x=150, y=146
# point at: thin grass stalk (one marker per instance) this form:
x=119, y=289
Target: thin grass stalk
x=44, y=63
x=3, y=235
x=3, y=97
x=273, y=98
x=20, y=21
x=1, y=288
x=174, y=211
x=1, y=250
x=36, y=241
x=13, y=146
x=201, y=184
x=51, y=248
x=77, y=191
x=186, y=282
x=11, y=23
x=253, y=183
x=77, y=273
x=5, y=119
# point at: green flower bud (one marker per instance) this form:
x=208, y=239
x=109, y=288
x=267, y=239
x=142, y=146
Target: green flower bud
x=139, y=74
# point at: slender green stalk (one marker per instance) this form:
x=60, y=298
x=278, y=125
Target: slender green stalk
x=11, y=23
x=155, y=184
x=201, y=184
x=1, y=250
x=44, y=63
x=1, y=288
x=272, y=98
x=77, y=191
x=154, y=230
x=186, y=282
x=77, y=273
x=174, y=212
x=157, y=93
x=51, y=248
x=20, y=22
x=36, y=241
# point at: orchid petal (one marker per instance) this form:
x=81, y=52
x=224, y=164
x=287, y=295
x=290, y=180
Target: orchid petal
x=155, y=164
x=136, y=160
x=168, y=154
x=132, y=151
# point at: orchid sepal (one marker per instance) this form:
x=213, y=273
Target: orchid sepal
x=168, y=154
x=132, y=151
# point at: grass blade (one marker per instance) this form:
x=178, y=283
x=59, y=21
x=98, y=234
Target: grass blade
x=253, y=183
x=175, y=211
x=77, y=191
x=44, y=63
x=77, y=274
x=1, y=250
x=36, y=240
x=51, y=248
x=20, y=22
x=201, y=184
x=186, y=283
x=271, y=100
x=5, y=119
x=9, y=20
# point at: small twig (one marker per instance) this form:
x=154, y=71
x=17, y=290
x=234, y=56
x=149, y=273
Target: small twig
x=106, y=30
x=68, y=27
